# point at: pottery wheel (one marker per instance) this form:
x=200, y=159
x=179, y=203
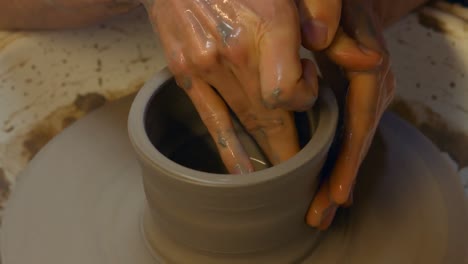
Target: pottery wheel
x=81, y=200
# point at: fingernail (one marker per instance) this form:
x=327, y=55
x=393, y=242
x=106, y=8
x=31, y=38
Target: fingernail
x=326, y=212
x=340, y=192
x=315, y=33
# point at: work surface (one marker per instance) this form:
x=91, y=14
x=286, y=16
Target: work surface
x=49, y=79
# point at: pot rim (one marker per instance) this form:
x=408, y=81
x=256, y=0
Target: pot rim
x=320, y=142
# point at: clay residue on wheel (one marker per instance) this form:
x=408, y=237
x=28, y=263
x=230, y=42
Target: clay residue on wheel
x=45, y=130
x=25, y=146
x=4, y=188
x=30, y=140
x=90, y=101
x=435, y=128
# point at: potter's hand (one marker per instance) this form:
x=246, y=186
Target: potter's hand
x=249, y=51
x=358, y=48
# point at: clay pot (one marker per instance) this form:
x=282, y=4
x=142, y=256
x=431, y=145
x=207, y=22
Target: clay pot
x=208, y=217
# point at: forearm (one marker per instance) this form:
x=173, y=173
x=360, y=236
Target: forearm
x=390, y=11
x=50, y=14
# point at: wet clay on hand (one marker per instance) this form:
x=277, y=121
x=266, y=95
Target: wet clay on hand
x=242, y=56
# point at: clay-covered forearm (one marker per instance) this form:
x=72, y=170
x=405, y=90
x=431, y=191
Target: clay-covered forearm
x=52, y=14
x=390, y=11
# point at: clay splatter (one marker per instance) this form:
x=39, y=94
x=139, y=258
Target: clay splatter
x=89, y=101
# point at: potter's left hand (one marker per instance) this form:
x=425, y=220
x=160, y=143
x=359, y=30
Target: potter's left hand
x=359, y=49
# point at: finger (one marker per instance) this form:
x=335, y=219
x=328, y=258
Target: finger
x=216, y=118
x=276, y=133
x=273, y=129
x=350, y=54
x=365, y=101
x=281, y=73
x=172, y=43
x=203, y=59
x=242, y=105
x=319, y=22
x=200, y=44
x=362, y=114
x=321, y=206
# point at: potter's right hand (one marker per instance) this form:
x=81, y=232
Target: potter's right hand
x=358, y=48
x=249, y=51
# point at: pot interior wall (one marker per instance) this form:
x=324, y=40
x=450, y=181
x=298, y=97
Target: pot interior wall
x=176, y=130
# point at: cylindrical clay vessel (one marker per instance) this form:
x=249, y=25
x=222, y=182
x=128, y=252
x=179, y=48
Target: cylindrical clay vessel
x=196, y=216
